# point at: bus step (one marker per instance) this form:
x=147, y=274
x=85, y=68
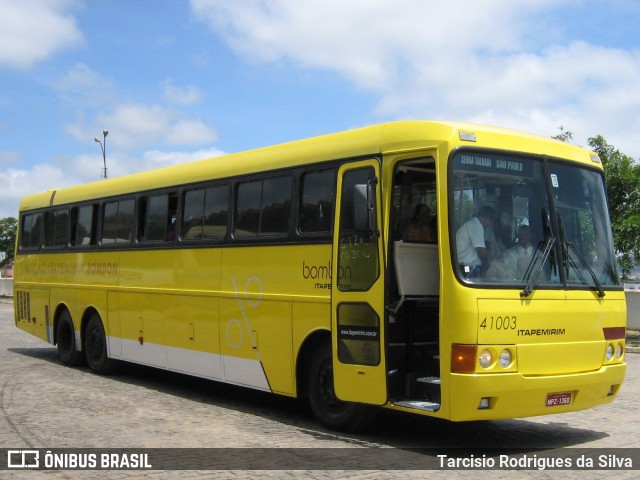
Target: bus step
x=429, y=380
x=419, y=405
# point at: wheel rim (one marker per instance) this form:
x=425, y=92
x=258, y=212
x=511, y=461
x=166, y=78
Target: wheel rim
x=94, y=343
x=327, y=391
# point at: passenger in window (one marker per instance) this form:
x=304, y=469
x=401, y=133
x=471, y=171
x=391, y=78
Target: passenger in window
x=473, y=254
x=514, y=260
x=499, y=237
x=419, y=228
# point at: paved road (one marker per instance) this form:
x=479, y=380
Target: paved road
x=46, y=405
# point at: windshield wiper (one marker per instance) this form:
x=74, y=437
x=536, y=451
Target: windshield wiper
x=568, y=246
x=536, y=265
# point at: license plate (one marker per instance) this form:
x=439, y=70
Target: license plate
x=558, y=399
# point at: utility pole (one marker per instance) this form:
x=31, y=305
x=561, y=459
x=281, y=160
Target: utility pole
x=103, y=147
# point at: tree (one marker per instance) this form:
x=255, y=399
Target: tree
x=623, y=190
x=8, y=229
x=564, y=135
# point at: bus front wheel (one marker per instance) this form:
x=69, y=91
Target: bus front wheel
x=95, y=346
x=66, y=341
x=332, y=412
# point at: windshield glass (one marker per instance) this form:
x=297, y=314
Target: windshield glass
x=508, y=231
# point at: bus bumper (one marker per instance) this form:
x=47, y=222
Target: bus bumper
x=511, y=395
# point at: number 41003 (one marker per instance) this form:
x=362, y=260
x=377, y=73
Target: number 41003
x=499, y=323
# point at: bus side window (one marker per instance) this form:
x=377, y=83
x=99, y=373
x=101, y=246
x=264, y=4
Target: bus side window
x=247, y=213
x=215, y=212
x=205, y=213
x=117, y=222
x=275, y=215
x=316, y=202
x=31, y=235
x=263, y=208
x=56, y=227
x=83, y=225
x=158, y=216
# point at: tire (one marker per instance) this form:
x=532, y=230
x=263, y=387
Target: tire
x=95, y=347
x=332, y=412
x=66, y=340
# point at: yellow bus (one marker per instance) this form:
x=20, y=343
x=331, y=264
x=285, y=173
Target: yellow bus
x=443, y=269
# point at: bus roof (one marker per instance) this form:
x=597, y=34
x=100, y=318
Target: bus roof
x=373, y=140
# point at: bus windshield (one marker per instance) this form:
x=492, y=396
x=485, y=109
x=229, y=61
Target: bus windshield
x=530, y=223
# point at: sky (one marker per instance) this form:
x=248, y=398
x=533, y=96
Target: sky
x=177, y=80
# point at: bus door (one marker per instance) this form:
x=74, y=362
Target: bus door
x=357, y=302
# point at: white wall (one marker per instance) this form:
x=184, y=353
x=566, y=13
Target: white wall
x=6, y=287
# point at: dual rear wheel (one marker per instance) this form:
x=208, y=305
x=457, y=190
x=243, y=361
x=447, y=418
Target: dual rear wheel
x=95, y=344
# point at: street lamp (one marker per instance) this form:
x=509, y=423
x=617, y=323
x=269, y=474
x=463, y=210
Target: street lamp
x=103, y=147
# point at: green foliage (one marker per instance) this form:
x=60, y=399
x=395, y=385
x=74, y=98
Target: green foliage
x=564, y=135
x=622, y=175
x=8, y=229
x=623, y=190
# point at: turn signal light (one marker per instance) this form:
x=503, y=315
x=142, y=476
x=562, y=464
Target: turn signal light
x=463, y=358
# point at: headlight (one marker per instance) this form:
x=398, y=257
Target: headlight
x=485, y=359
x=619, y=350
x=609, y=352
x=505, y=358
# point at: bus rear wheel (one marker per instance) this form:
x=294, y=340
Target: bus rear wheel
x=95, y=346
x=332, y=412
x=66, y=341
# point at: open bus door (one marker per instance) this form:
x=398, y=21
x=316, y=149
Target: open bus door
x=357, y=302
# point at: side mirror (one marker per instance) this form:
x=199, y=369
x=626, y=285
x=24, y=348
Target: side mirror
x=364, y=208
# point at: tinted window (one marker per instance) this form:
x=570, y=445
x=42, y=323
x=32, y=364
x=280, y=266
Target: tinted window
x=117, y=224
x=205, y=213
x=263, y=208
x=56, y=227
x=84, y=225
x=316, y=208
x=158, y=217
x=276, y=206
x=247, y=220
x=31, y=235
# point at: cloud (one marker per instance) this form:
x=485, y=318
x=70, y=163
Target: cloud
x=8, y=156
x=33, y=30
x=17, y=182
x=186, y=95
x=139, y=126
x=68, y=171
x=89, y=86
x=372, y=42
x=504, y=62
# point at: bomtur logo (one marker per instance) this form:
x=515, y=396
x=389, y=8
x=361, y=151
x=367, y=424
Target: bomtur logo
x=23, y=459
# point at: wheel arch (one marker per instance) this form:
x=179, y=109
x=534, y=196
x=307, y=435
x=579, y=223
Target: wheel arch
x=60, y=309
x=313, y=341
